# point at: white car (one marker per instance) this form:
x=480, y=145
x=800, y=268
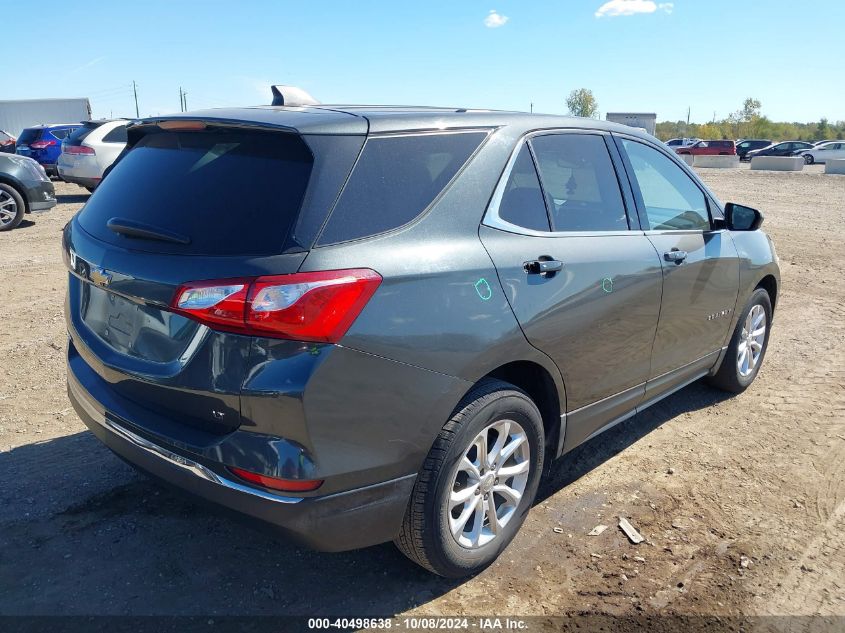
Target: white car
x=675, y=143
x=824, y=152
x=90, y=150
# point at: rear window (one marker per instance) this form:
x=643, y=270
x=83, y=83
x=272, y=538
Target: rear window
x=395, y=179
x=62, y=133
x=79, y=134
x=229, y=192
x=29, y=135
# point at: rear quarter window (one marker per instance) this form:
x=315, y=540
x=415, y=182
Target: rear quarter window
x=230, y=192
x=117, y=135
x=78, y=135
x=62, y=133
x=395, y=179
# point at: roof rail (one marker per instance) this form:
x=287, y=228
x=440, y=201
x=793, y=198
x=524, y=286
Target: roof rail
x=291, y=96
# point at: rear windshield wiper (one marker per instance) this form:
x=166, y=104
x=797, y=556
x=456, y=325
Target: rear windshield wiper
x=131, y=228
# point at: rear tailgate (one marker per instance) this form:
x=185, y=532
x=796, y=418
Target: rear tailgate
x=186, y=205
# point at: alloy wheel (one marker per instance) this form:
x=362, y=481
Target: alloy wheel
x=488, y=484
x=751, y=341
x=8, y=208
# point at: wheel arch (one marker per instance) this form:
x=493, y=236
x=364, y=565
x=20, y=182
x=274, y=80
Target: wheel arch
x=544, y=388
x=770, y=285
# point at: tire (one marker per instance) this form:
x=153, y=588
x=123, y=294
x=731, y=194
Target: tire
x=808, y=159
x=732, y=375
x=427, y=536
x=12, y=207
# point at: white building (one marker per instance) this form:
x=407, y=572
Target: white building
x=644, y=120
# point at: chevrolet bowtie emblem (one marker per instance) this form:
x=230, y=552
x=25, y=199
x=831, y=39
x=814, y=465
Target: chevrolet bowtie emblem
x=100, y=276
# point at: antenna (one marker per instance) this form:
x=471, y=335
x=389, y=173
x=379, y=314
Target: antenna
x=291, y=96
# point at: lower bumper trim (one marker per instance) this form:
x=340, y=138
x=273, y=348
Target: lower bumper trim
x=42, y=206
x=191, y=466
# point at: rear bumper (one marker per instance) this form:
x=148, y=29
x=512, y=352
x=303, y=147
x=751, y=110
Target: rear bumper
x=342, y=521
x=88, y=183
x=80, y=170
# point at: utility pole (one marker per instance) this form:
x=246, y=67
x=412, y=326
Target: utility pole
x=532, y=106
x=180, y=99
x=185, y=100
x=135, y=92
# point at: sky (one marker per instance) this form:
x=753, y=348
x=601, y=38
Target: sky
x=635, y=55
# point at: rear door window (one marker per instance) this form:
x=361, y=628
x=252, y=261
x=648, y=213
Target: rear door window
x=395, y=179
x=228, y=192
x=580, y=183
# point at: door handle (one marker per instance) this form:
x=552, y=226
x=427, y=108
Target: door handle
x=675, y=255
x=542, y=266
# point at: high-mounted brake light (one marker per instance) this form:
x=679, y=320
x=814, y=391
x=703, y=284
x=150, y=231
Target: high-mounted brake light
x=277, y=483
x=317, y=306
x=179, y=124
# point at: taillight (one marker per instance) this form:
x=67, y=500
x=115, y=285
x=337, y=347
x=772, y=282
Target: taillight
x=216, y=303
x=78, y=149
x=287, y=485
x=317, y=306
x=41, y=144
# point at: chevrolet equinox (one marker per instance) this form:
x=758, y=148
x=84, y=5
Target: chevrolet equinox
x=363, y=324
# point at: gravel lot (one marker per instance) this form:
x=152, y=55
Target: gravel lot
x=741, y=500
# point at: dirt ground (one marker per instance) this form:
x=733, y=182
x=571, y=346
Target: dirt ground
x=741, y=500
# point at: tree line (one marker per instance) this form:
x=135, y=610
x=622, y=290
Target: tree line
x=747, y=122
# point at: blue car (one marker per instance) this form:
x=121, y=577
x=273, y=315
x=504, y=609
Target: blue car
x=44, y=144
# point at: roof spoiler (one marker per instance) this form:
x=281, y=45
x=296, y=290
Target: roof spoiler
x=291, y=96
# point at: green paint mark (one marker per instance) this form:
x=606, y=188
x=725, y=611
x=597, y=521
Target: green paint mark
x=607, y=284
x=485, y=292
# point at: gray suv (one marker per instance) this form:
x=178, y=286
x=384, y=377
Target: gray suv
x=364, y=324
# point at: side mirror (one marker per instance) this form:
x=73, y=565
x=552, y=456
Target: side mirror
x=740, y=218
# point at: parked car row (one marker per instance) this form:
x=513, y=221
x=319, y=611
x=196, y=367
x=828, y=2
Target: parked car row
x=747, y=149
x=75, y=152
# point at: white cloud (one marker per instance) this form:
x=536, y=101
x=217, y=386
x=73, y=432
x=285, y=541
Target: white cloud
x=495, y=20
x=614, y=8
